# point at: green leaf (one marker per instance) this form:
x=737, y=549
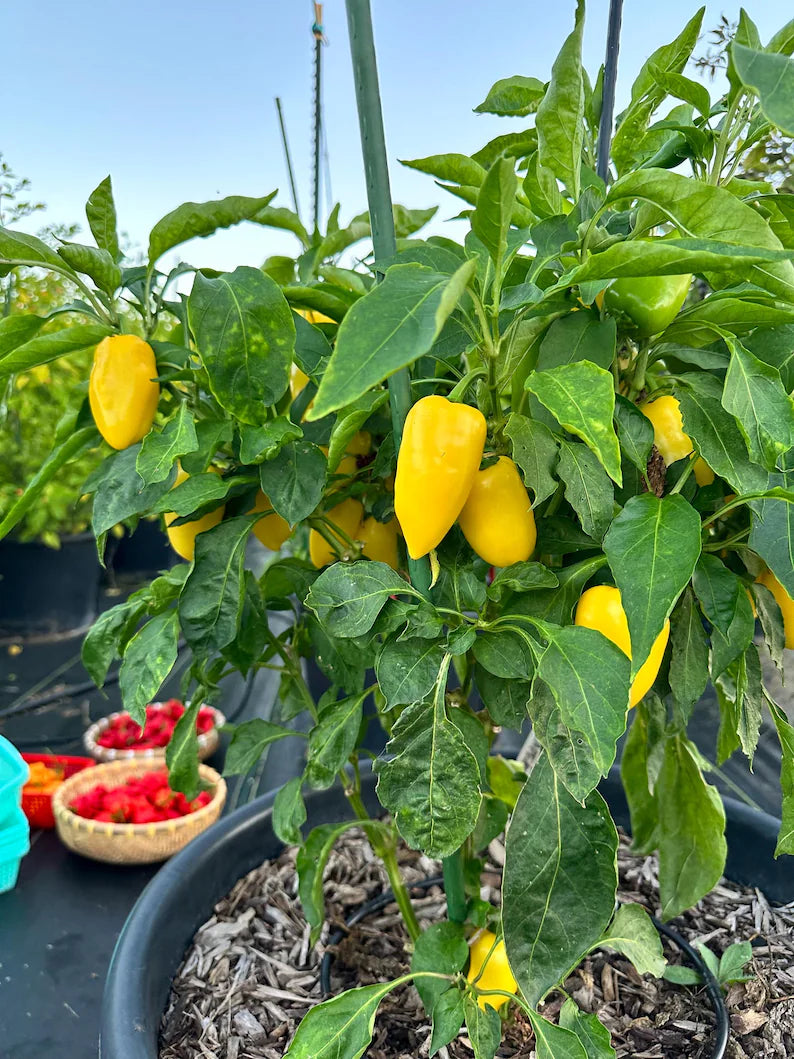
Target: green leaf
x=771, y=77
x=689, y=656
x=512, y=97
x=289, y=812
x=692, y=847
x=245, y=336
x=483, y=1027
x=148, y=659
x=193, y=219
x=348, y=597
x=340, y=1028
x=281, y=217
x=535, y=452
x=407, y=670
x=121, y=493
x=771, y=619
x=635, y=432
x=19, y=246
x=669, y=58
x=581, y=397
x=104, y=639
x=764, y=411
x=212, y=599
x=715, y=432
x=431, y=784
x=552, y=910
x=97, y=264
x=773, y=345
x=181, y=754
x=589, y=678
x=521, y=577
x=733, y=962
x=456, y=168
x=772, y=535
x=42, y=349
x=505, y=700
x=159, y=452
x=593, y=1034
x=193, y=493
x=388, y=329
x=101, y=213
x=576, y=337
x=448, y=1015
x=16, y=330
x=560, y=114
x=718, y=589
x=568, y=750
x=491, y=220
x=587, y=488
x=258, y=444
x=333, y=739
x=505, y=654
x=785, y=734
x=641, y=747
x=349, y=421
x=212, y=434
x=725, y=649
x=442, y=949
x=249, y=741
x=294, y=480
x=705, y=211
x=633, y=934
x=652, y=547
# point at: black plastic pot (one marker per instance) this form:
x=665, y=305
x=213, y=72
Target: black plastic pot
x=48, y=590
x=141, y=554
x=183, y=893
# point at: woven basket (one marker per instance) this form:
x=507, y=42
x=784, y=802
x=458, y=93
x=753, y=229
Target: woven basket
x=207, y=742
x=129, y=843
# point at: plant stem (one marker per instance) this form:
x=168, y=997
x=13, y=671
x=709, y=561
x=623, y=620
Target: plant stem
x=454, y=886
x=387, y=853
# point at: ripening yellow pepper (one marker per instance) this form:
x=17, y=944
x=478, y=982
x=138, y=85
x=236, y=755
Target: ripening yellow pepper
x=440, y=455
x=272, y=530
x=122, y=390
x=669, y=436
x=497, y=518
x=496, y=972
x=783, y=600
x=347, y=516
x=600, y=608
x=379, y=540
x=183, y=538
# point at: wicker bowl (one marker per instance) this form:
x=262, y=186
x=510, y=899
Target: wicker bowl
x=207, y=741
x=129, y=843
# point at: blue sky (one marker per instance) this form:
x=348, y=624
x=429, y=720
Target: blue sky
x=175, y=98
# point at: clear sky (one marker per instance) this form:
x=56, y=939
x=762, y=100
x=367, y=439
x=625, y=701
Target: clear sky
x=174, y=98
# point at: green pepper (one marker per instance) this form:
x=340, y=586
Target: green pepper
x=650, y=303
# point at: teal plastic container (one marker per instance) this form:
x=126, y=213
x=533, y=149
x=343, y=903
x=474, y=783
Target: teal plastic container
x=14, y=827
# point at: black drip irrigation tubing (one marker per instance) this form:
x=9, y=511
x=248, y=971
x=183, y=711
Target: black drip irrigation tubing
x=713, y=990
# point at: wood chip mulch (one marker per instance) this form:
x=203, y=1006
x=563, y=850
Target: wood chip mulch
x=250, y=974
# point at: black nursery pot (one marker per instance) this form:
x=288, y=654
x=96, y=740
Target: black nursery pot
x=183, y=893
x=47, y=590
x=142, y=553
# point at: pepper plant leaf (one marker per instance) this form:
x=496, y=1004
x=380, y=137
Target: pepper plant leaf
x=340, y=1028
x=148, y=659
x=193, y=219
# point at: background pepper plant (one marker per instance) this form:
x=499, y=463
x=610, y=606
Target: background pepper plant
x=597, y=463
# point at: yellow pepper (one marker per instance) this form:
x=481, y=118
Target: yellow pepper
x=439, y=458
x=496, y=973
x=347, y=516
x=121, y=390
x=183, y=538
x=272, y=530
x=600, y=608
x=379, y=541
x=497, y=518
x=783, y=600
x=669, y=436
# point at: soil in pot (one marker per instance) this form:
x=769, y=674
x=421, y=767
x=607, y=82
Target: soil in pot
x=250, y=974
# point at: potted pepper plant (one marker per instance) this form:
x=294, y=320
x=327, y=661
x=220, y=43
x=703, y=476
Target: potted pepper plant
x=584, y=509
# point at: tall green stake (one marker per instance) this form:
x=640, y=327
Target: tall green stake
x=376, y=169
